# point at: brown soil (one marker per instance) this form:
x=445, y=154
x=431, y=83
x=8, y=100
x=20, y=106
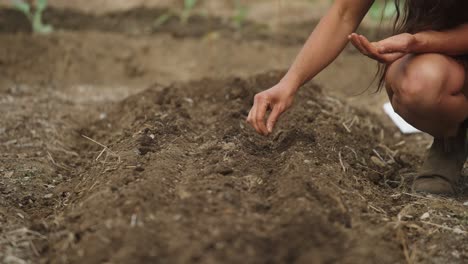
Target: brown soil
x=126, y=145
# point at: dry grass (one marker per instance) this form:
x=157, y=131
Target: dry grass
x=17, y=245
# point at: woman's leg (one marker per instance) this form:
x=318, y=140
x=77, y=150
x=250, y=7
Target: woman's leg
x=430, y=92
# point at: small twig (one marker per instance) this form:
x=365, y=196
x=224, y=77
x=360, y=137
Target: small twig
x=341, y=162
x=333, y=100
x=133, y=220
x=325, y=112
x=401, y=143
x=346, y=127
x=352, y=150
x=419, y=196
x=365, y=167
x=390, y=153
x=24, y=230
x=92, y=186
x=354, y=120
x=94, y=141
x=404, y=244
x=100, y=154
x=34, y=249
x=51, y=158
x=105, y=149
x=457, y=231
x=379, y=156
x=378, y=209
x=65, y=167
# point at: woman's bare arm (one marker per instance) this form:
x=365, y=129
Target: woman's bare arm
x=450, y=42
x=324, y=44
x=327, y=40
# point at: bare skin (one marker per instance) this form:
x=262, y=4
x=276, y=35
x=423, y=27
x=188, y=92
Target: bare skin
x=324, y=44
x=426, y=85
x=427, y=89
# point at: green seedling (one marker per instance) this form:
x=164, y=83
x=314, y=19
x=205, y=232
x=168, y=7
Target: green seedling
x=183, y=15
x=187, y=11
x=35, y=17
x=240, y=15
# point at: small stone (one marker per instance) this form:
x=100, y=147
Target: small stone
x=406, y=217
x=48, y=196
x=177, y=217
x=378, y=162
x=229, y=146
x=139, y=168
x=465, y=203
x=183, y=194
x=458, y=231
x=374, y=177
x=424, y=216
x=223, y=170
x=189, y=100
x=404, y=159
x=456, y=254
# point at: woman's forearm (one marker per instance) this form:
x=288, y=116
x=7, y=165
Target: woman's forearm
x=326, y=42
x=450, y=42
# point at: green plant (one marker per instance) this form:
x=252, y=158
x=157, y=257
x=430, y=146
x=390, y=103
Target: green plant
x=183, y=15
x=240, y=14
x=382, y=10
x=187, y=11
x=35, y=17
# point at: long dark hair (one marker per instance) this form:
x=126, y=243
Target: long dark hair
x=414, y=16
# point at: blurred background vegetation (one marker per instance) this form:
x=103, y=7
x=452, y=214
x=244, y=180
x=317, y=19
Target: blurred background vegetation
x=270, y=12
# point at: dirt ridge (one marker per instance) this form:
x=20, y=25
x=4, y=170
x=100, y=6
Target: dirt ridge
x=274, y=206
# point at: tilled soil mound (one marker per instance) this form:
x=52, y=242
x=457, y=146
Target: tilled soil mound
x=173, y=175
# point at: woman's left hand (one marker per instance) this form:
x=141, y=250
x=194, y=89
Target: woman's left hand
x=385, y=51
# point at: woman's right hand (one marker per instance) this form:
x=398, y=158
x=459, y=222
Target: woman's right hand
x=277, y=99
x=386, y=51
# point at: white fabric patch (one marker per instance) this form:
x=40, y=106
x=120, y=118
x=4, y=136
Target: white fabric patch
x=404, y=127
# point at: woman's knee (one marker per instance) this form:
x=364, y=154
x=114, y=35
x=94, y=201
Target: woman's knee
x=418, y=83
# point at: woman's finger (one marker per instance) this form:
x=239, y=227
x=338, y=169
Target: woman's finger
x=355, y=41
x=397, y=43
x=388, y=46
x=365, y=50
x=273, y=118
x=260, y=118
x=371, y=49
x=250, y=118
